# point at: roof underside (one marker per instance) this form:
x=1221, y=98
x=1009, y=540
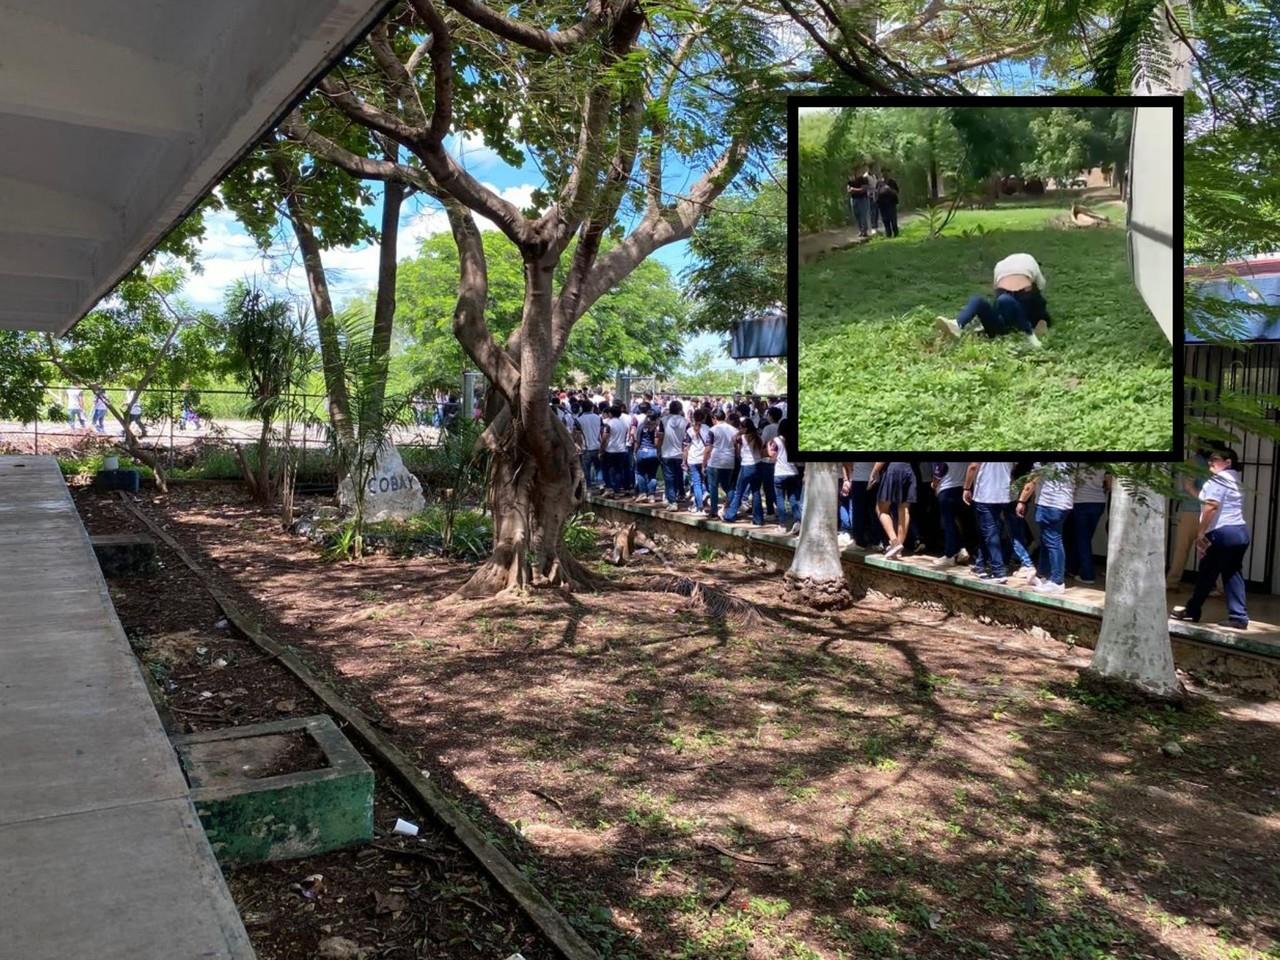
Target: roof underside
x=118, y=116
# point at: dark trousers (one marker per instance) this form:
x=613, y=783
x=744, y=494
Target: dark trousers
x=615, y=470
x=1003, y=316
x=1084, y=522
x=765, y=469
x=950, y=506
x=889, y=217
x=673, y=478
x=859, y=515
x=719, y=478
x=787, y=495
x=1224, y=559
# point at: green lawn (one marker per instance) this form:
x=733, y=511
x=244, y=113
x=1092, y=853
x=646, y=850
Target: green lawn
x=875, y=375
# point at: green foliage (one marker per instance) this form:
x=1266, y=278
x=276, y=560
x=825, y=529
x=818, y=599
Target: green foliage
x=698, y=375
x=876, y=375
x=638, y=325
x=581, y=536
x=21, y=375
x=741, y=264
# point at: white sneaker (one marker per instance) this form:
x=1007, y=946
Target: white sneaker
x=949, y=326
x=843, y=539
x=893, y=551
x=1024, y=573
x=1049, y=587
x=795, y=529
x=963, y=556
x=946, y=563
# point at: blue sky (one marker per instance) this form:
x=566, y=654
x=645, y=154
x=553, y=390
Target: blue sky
x=229, y=254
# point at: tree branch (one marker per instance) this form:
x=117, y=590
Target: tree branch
x=468, y=314
x=850, y=68
x=366, y=168
x=536, y=38
x=959, y=66
x=398, y=79
x=656, y=231
x=576, y=198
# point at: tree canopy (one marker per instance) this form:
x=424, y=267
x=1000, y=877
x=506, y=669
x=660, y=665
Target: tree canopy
x=637, y=325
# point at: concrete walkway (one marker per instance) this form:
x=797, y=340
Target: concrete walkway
x=812, y=246
x=101, y=853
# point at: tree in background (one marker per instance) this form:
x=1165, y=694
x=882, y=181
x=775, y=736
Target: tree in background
x=1059, y=138
x=141, y=338
x=600, y=104
x=637, y=325
x=740, y=258
x=268, y=353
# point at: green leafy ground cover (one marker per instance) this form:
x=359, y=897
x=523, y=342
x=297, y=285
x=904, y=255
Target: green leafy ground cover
x=875, y=374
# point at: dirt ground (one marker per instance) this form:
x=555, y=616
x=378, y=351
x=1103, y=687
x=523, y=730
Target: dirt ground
x=891, y=781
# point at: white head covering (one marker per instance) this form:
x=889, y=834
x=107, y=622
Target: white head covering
x=1020, y=263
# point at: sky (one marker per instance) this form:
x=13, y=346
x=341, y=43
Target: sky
x=228, y=253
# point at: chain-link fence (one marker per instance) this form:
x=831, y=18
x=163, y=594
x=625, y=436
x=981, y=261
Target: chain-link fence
x=178, y=423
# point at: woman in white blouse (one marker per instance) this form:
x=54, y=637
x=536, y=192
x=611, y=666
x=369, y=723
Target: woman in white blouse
x=1222, y=541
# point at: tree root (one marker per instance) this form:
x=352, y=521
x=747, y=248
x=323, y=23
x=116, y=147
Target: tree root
x=716, y=602
x=1132, y=691
x=817, y=594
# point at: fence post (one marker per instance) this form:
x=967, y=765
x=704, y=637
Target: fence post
x=37, y=433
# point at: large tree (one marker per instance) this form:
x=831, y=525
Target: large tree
x=602, y=104
x=638, y=325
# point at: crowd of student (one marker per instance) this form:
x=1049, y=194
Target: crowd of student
x=1022, y=520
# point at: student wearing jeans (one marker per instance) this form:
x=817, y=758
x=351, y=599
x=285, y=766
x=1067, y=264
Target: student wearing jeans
x=948, y=485
x=588, y=427
x=720, y=461
x=1054, y=491
x=786, y=483
x=1222, y=542
x=695, y=453
x=749, y=476
x=986, y=489
x=613, y=440
x=675, y=429
x=646, y=438
x=1089, y=502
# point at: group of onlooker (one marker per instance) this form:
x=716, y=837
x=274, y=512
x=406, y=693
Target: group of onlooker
x=873, y=200
x=1029, y=521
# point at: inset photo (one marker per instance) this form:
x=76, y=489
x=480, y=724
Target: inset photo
x=990, y=274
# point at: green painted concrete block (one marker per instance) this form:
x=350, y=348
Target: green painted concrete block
x=274, y=791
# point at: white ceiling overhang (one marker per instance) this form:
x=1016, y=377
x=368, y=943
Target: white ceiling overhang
x=119, y=116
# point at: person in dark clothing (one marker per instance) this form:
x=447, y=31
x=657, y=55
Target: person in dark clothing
x=887, y=201
x=859, y=203
x=1019, y=304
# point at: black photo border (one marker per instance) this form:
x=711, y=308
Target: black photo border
x=791, y=437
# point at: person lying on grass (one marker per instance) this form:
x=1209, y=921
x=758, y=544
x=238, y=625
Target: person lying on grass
x=1019, y=303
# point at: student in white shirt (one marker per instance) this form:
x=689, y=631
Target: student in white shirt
x=948, y=486
x=613, y=438
x=986, y=489
x=719, y=461
x=675, y=432
x=786, y=482
x=1054, y=490
x=699, y=440
x=1222, y=542
x=752, y=451
x=589, y=425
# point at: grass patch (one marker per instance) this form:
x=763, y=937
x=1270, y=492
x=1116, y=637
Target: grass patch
x=1103, y=381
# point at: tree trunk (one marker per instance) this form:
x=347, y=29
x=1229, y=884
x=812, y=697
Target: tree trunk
x=335, y=383
x=384, y=310
x=1134, y=652
x=816, y=578
x=530, y=506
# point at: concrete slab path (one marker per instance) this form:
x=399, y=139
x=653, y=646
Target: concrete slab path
x=101, y=852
